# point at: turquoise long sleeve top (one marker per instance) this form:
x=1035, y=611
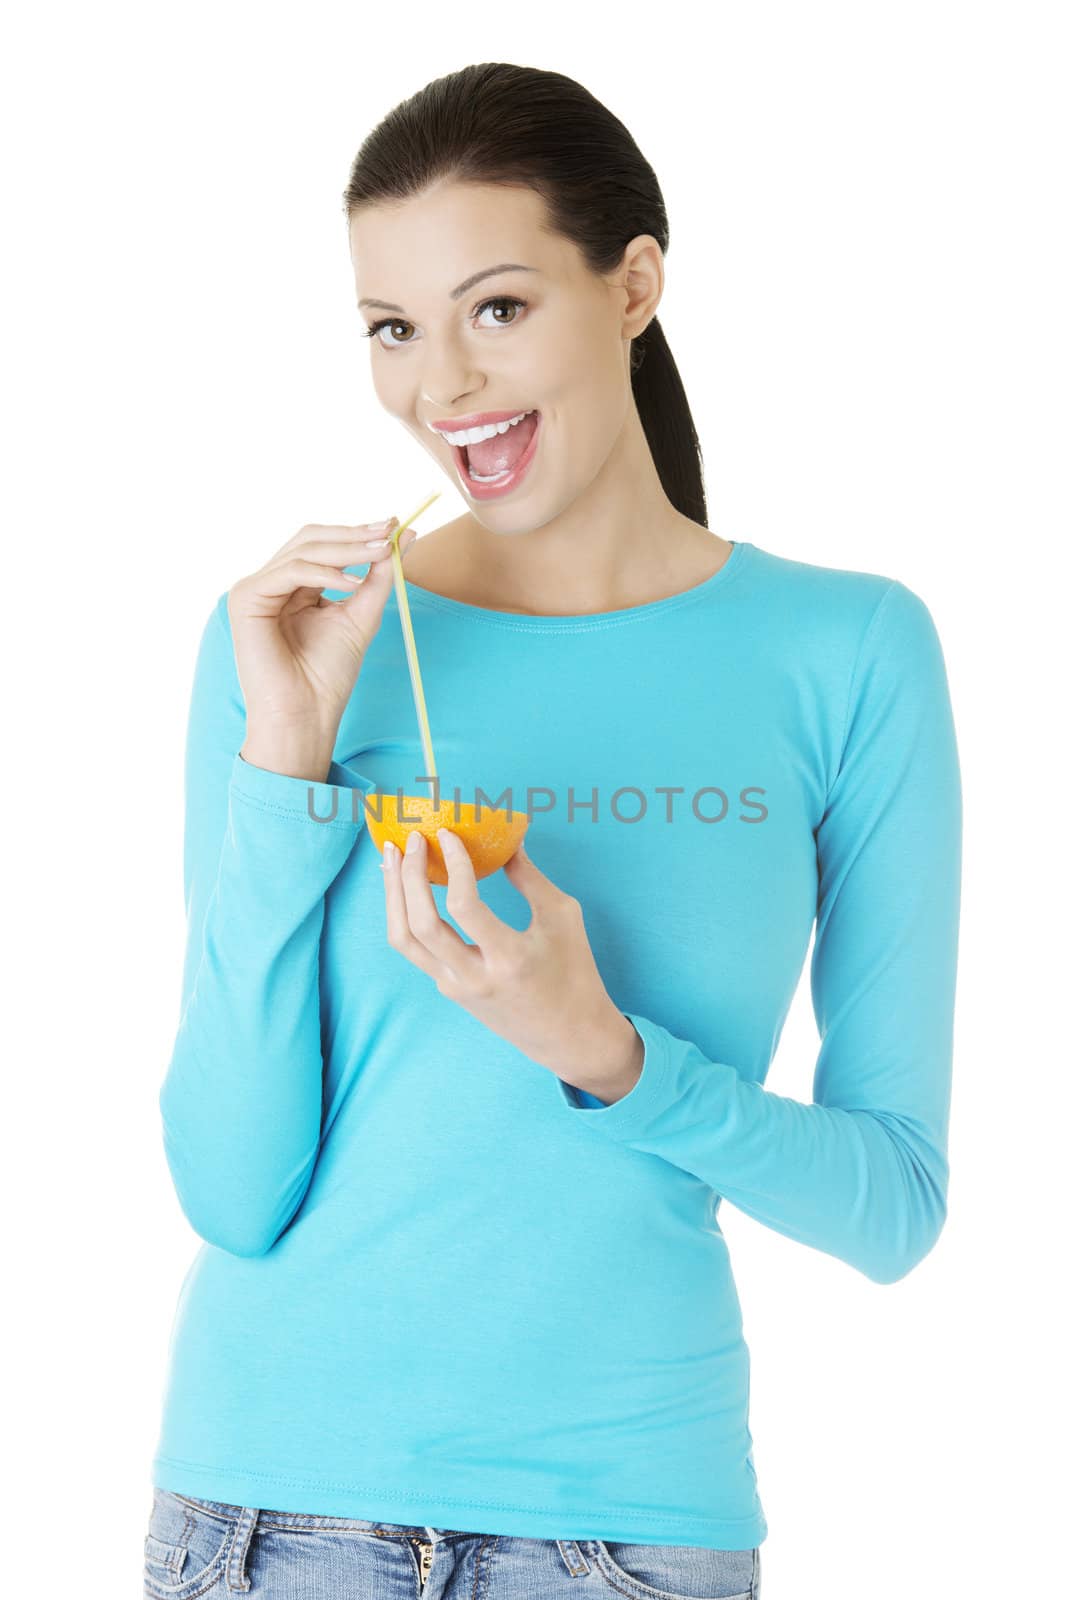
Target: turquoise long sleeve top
x=437, y=1284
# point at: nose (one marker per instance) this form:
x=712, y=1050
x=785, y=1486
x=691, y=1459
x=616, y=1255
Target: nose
x=455, y=385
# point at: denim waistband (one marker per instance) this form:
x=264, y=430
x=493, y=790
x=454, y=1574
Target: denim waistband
x=271, y=1518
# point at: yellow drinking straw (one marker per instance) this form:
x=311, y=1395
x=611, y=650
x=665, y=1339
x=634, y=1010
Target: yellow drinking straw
x=409, y=637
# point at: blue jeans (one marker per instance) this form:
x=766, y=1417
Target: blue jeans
x=198, y=1547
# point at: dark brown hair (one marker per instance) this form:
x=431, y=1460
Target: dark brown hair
x=521, y=126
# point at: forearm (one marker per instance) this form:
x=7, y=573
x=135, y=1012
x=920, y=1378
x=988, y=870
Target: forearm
x=862, y=1185
x=242, y=1098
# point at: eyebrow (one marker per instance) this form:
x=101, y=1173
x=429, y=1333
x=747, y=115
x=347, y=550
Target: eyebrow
x=461, y=288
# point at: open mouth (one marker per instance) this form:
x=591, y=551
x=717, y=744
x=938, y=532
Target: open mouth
x=500, y=463
x=481, y=477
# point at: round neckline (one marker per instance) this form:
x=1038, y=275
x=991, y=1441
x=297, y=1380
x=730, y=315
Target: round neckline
x=576, y=622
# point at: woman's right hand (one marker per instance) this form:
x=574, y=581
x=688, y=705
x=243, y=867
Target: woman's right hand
x=298, y=654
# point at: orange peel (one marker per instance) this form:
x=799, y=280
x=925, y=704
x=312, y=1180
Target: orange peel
x=490, y=836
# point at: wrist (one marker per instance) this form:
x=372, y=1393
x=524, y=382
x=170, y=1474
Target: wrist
x=293, y=753
x=616, y=1065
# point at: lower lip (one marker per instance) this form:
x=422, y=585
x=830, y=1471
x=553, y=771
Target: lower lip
x=499, y=486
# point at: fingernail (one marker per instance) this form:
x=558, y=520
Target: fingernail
x=380, y=527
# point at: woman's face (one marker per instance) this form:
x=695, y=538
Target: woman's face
x=440, y=355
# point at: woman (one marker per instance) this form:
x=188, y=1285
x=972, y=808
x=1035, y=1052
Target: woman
x=457, y=1153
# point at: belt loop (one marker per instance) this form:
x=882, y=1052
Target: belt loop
x=236, y=1577
x=574, y=1557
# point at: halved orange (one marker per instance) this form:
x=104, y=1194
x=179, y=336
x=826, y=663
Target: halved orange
x=490, y=836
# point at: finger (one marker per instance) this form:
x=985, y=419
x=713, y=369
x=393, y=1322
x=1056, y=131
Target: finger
x=466, y=906
x=539, y=890
x=331, y=559
x=344, y=552
x=398, y=930
x=287, y=588
x=298, y=580
x=407, y=538
x=297, y=573
x=424, y=921
x=368, y=599
x=337, y=530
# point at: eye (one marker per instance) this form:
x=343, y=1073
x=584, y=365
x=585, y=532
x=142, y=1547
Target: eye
x=386, y=322
x=483, y=305
x=500, y=300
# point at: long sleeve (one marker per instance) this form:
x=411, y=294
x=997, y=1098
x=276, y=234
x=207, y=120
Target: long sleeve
x=862, y=1173
x=241, y=1100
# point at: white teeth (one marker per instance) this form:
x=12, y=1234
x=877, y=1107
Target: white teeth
x=474, y=435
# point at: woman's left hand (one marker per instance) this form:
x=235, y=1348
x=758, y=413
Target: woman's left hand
x=539, y=989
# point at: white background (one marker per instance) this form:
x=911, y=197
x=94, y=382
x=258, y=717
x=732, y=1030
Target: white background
x=865, y=297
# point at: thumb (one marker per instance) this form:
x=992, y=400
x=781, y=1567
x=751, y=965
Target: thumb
x=375, y=586
x=529, y=879
x=402, y=544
